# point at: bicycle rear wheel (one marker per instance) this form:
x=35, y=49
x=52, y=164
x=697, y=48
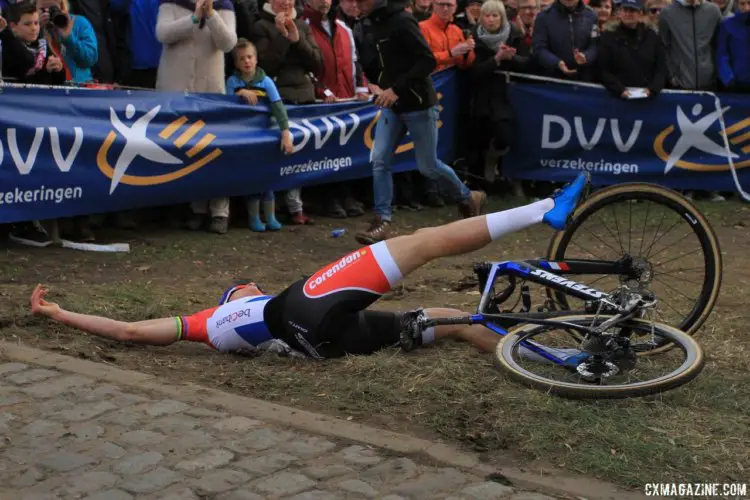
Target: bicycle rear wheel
x=686, y=267
x=510, y=359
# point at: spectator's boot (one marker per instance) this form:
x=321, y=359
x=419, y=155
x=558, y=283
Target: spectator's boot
x=195, y=221
x=219, y=225
x=301, y=219
x=334, y=209
x=269, y=209
x=379, y=230
x=83, y=231
x=253, y=215
x=474, y=205
x=352, y=207
x=30, y=233
x=125, y=220
x=256, y=224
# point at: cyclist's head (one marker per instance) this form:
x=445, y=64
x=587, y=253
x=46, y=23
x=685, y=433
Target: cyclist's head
x=241, y=288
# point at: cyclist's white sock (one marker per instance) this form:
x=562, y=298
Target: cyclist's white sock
x=515, y=219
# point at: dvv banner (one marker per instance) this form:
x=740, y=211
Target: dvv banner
x=675, y=140
x=75, y=151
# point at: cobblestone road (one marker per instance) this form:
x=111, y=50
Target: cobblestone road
x=67, y=436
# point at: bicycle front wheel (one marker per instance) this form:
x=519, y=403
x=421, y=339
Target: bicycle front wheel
x=641, y=377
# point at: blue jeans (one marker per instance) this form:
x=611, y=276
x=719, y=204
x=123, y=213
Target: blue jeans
x=389, y=132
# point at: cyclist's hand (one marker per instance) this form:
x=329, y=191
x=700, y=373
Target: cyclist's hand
x=40, y=307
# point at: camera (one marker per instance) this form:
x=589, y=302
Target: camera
x=57, y=17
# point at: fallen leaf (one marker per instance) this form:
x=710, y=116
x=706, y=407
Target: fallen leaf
x=613, y=451
x=350, y=418
x=143, y=268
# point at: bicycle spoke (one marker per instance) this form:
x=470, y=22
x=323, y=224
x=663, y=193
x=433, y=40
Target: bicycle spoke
x=604, y=242
x=643, y=234
x=586, y=250
x=630, y=223
x=663, y=214
x=674, y=277
x=670, y=245
x=648, y=255
x=680, y=256
x=617, y=227
x=673, y=288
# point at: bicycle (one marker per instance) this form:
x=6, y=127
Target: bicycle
x=608, y=324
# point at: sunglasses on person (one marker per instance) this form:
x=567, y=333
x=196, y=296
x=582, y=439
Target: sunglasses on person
x=654, y=10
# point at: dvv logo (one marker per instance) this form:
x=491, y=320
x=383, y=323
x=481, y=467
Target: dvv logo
x=698, y=143
x=144, y=155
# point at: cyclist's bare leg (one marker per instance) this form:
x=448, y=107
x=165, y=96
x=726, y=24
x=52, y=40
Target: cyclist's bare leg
x=468, y=235
x=410, y=252
x=477, y=335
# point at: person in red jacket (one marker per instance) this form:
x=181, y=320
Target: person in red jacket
x=340, y=77
x=446, y=39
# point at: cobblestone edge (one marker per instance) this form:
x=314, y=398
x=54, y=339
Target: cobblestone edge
x=551, y=481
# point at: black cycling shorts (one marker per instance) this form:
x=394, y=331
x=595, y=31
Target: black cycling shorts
x=324, y=315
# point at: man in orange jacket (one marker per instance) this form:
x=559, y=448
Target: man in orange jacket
x=447, y=40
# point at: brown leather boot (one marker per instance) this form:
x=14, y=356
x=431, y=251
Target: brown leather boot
x=474, y=205
x=379, y=230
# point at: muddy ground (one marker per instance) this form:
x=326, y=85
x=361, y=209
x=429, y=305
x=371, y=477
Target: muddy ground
x=448, y=392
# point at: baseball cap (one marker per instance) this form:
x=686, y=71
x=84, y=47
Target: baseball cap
x=631, y=4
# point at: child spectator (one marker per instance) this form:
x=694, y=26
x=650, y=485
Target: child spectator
x=27, y=57
x=250, y=82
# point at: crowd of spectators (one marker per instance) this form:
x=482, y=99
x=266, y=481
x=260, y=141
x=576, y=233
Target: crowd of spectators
x=307, y=51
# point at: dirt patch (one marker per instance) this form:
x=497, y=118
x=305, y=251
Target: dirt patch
x=448, y=392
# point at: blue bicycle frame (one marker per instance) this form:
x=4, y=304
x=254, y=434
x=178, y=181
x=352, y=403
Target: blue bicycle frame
x=546, y=273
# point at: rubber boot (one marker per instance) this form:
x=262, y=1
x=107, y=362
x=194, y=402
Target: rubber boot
x=269, y=210
x=253, y=212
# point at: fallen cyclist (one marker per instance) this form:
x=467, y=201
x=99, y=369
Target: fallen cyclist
x=327, y=315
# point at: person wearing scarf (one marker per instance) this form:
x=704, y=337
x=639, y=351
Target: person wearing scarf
x=497, y=44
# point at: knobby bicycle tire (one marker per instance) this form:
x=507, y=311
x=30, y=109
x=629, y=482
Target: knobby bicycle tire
x=684, y=208
x=690, y=368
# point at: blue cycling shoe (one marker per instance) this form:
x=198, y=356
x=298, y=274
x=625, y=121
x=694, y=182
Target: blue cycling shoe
x=566, y=200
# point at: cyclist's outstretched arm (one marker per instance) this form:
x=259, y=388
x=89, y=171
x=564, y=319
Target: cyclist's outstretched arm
x=163, y=331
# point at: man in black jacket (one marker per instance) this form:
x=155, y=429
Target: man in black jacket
x=631, y=54
x=398, y=63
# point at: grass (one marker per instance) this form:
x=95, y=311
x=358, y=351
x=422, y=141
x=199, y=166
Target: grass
x=450, y=392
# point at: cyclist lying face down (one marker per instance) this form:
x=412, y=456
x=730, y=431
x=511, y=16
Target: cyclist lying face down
x=326, y=315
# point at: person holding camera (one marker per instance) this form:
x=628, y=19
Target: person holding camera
x=71, y=38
